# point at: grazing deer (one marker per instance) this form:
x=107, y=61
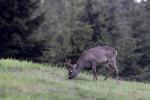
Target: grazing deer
x=89, y=58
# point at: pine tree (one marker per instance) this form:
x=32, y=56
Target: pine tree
x=141, y=32
x=18, y=22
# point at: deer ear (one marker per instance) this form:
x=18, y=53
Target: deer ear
x=74, y=66
x=68, y=63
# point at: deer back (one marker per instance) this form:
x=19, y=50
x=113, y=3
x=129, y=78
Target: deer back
x=98, y=54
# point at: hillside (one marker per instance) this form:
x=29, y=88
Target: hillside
x=22, y=80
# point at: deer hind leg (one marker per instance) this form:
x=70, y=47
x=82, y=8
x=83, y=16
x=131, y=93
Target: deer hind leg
x=108, y=70
x=113, y=67
x=94, y=70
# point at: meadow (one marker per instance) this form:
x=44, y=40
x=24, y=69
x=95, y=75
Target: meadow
x=23, y=80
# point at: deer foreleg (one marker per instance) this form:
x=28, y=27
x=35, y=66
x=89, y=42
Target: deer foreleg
x=107, y=74
x=94, y=70
x=106, y=77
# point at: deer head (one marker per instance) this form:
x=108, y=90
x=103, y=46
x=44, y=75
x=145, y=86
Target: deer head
x=71, y=69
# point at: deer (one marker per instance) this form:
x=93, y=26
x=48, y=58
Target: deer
x=90, y=58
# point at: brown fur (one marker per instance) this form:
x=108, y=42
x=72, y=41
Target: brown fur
x=89, y=58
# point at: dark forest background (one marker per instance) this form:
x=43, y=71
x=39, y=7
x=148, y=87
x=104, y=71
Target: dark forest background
x=49, y=31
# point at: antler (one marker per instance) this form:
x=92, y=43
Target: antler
x=68, y=62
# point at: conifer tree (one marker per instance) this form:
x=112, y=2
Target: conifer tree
x=18, y=23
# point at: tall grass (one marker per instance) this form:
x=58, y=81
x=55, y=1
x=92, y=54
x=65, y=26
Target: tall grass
x=23, y=80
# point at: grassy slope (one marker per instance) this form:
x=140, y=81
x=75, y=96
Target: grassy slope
x=27, y=81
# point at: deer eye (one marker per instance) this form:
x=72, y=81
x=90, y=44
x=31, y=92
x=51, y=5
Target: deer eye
x=70, y=71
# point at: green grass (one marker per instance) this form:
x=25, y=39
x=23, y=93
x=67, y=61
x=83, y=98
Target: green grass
x=22, y=80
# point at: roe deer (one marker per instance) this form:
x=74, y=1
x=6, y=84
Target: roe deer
x=89, y=58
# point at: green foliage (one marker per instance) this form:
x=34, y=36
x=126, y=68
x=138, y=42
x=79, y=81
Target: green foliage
x=36, y=81
x=69, y=37
x=72, y=26
x=17, y=25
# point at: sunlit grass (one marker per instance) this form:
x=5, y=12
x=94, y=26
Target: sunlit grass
x=23, y=80
x=10, y=63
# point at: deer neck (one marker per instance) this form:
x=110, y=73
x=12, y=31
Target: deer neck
x=80, y=65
